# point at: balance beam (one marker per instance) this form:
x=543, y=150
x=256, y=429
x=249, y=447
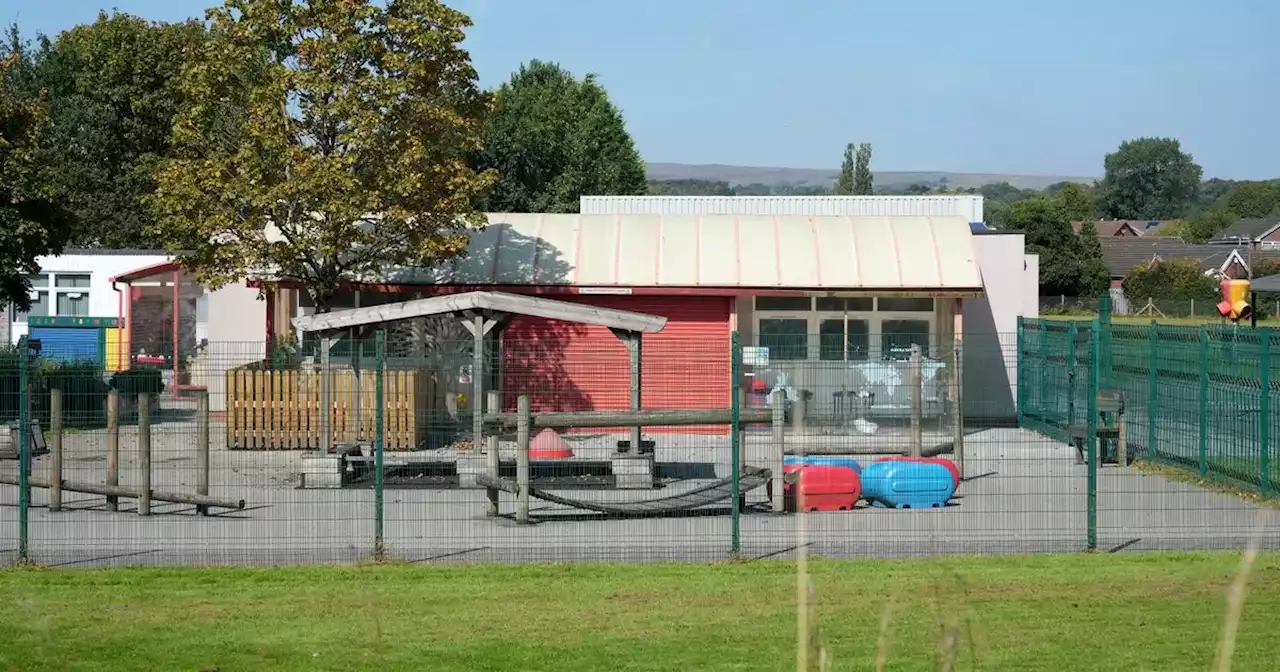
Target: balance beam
x=121, y=491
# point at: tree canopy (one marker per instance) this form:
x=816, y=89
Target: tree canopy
x=1149, y=178
x=111, y=95
x=554, y=138
x=1068, y=266
x=349, y=155
x=33, y=221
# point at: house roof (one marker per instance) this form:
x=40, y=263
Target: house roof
x=1246, y=229
x=1122, y=253
x=933, y=254
x=498, y=302
x=1111, y=227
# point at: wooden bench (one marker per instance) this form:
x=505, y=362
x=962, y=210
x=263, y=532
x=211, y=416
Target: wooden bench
x=1110, y=428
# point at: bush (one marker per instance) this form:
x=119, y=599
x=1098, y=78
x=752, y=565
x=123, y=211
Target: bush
x=83, y=391
x=138, y=380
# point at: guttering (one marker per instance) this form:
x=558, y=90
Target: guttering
x=127, y=334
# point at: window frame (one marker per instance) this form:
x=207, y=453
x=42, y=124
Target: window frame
x=875, y=320
x=52, y=291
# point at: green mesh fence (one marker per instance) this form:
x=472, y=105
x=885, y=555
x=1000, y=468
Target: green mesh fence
x=1195, y=396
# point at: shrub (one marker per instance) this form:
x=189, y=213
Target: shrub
x=138, y=380
x=81, y=382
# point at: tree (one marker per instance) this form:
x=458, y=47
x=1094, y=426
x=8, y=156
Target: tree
x=1170, y=279
x=1066, y=266
x=1149, y=178
x=33, y=222
x=1076, y=203
x=349, y=155
x=554, y=138
x=110, y=87
x=845, y=184
x=1095, y=277
x=1205, y=225
x=1252, y=200
x=863, y=180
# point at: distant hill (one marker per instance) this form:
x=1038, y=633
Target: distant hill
x=740, y=175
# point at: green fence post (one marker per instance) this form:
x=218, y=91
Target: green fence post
x=380, y=355
x=1264, y=414
x=735, y=447
x=1104, y=338
x=1071, y=373
x=1042, y=409
x=1204, y=401
x=24, y=451
x=1020, y=393
x=1153, y=388
x=1091, y=433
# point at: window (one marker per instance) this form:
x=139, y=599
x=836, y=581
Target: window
x=786, y=337
x=895, y=305
x=897, y=337
x=835, y=345
x=767, y=303
x=864, y=304
x=58, y=294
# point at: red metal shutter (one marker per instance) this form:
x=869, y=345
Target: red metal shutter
x=566, y=366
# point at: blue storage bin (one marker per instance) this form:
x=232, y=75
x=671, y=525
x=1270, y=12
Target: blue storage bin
x=823, y=461
x=907, y=485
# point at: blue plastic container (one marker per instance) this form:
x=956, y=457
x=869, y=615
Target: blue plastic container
x=907, y=485
x=823, y=461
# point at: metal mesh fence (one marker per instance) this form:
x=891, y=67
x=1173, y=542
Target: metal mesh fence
x=370, y=452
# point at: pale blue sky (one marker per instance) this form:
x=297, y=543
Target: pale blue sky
x=1001, y=86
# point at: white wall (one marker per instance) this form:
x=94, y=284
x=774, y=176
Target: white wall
x=236, y=329
x=1011, y=279
x=101, y=266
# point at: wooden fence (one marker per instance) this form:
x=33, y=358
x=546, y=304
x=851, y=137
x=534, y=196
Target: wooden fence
x=280, y=410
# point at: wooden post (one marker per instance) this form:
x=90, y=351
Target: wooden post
x=326, y=396
x=523, y=423
x=144, y=454
x=916, y=385
x=477, y=379
x=202, y=448
x=799, y=412
x=634, y=354
x=113, y=446
x=491, y=454
x=778, y=449
x=55, y=449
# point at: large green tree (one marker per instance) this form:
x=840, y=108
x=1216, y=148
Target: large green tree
x=1253, y=199
x=112, y=97
x=554, y=138
x=1076, y=202
x=350, y=155
x=1067, y=266
x=33, y=221
x=1149, y=178
x=845, y=183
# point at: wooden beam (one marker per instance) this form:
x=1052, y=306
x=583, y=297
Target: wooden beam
x=634, y=368
x=915, y=382
x=647, y=418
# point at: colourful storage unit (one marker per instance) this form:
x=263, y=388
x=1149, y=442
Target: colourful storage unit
x=823, y=461
x=825, y=488
x=68, y=339
x=901, y=484
x=951, y=466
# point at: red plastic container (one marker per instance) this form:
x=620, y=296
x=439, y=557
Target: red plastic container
x=951, y=466
x=826, y=488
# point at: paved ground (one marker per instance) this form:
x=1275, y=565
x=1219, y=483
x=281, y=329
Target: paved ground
x=1024, y=494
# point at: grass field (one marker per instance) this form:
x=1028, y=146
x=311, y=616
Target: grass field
x=1081, y=612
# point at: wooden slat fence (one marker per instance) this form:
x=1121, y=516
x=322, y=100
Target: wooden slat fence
x=280, y=410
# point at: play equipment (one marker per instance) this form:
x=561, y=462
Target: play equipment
x=902, y=484
x=823, y=460
x=824, y=487
x=951, y=466
x=548, y=445
x=1235, y=300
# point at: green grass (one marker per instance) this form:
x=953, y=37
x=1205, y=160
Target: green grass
x=1080, y=612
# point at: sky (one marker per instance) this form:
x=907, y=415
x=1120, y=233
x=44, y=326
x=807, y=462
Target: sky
x=983, y=86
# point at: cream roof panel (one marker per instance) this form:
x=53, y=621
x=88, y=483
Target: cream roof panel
x=739, y=251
